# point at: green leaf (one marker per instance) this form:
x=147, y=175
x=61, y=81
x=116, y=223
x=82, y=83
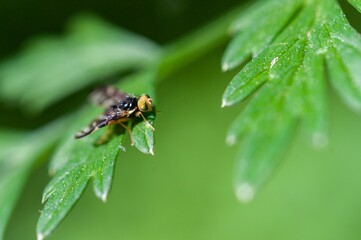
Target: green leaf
x=343, y=60
x=143, y=135
x=289, y=71
x=52, y=68
x=19, y=153
x=76, y=162
x=12, y=175
x=252, y=38
x=356, y=4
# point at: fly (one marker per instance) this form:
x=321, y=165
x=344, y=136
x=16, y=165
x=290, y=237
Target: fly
x=120, y=108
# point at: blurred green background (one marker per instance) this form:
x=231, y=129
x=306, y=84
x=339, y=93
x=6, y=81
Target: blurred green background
x=185, y=191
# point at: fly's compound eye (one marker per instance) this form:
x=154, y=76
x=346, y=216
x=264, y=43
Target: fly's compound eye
x=145, y=103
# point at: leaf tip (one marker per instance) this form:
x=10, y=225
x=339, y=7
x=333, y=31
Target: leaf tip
x=225, y=67
x=52, y=170
x=104, y=197
x=319, y=140
x=151, y=151
x=245, y=192
x=39, y=236
x=121, y=147
x=43, y=199
x=224, y=103
x=231, y=139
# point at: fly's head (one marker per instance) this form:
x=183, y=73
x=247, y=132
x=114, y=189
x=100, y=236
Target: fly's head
x=145, y=103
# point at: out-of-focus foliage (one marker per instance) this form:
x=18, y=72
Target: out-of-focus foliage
x=19, y=152
x=52, y=68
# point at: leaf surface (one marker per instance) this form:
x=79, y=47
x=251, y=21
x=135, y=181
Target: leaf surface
x=288, y=72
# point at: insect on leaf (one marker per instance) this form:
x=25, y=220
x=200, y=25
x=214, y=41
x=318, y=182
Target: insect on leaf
x=78, y=161
x=143, y=134
x=288, y=71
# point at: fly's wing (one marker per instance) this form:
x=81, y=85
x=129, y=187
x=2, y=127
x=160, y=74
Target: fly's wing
x=100, y=122
x=107, y=96
x=93, y=126
x=109, y=116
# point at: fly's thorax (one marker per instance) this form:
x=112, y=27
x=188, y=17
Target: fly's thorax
x=128, y=104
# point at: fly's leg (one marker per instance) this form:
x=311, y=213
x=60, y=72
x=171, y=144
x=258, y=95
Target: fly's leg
x=121, y=123
x=145, y=120
x=105, y=137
